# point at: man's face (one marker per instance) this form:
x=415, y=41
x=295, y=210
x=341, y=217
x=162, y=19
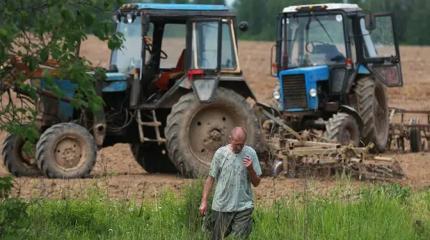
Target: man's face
x=237, y=144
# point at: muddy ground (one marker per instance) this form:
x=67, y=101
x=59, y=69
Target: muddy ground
x=120, y=177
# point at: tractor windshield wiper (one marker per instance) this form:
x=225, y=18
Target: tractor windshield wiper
x=320, y=23
x=325, y=30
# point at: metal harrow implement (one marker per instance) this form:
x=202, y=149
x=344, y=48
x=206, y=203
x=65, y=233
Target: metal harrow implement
x=296, y=157
x=408, y=126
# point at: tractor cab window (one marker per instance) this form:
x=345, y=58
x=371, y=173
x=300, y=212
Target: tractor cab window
x=310, y=40
x=380, y=42
x=381, y=50
x=205, y=45
x=228, y=54
x=128, y=56
x=173, y=46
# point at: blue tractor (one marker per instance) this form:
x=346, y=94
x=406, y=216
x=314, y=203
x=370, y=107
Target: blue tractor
x=173, y=92
x=333, y=64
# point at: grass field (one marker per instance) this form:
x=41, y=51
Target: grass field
x=375, y=212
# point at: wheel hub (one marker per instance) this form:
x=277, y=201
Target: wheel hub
x=209, y=130
x=68, y=153
x=215, y=135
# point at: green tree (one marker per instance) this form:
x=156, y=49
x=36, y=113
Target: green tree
x=31, y=32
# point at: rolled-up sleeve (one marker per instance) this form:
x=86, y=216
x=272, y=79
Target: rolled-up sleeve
x=256, y=163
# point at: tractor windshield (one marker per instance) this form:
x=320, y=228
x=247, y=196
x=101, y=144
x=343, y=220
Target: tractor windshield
x=310, y=40
x=128, y=56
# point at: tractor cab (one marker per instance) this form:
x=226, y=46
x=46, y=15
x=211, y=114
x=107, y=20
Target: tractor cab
x=322, y=48
x=329, y=59
x=168, y=43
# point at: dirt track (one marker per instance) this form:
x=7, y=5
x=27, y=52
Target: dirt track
x=119, y=176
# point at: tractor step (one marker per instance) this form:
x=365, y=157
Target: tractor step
x=154, y=123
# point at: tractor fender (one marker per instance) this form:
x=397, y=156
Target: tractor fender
x=235, y=83
x=351, y=111
x=182, y=87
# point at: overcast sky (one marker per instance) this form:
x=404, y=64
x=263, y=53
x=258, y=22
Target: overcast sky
x=229, y=2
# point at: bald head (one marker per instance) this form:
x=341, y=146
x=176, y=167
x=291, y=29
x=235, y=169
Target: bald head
x=237, y=139
x=238, y=133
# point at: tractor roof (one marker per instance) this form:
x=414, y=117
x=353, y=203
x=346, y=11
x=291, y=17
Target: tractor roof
x=173, y=7
x=177, y=10
x=322, y=7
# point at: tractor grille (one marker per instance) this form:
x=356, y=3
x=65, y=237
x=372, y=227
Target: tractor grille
x=294, y=91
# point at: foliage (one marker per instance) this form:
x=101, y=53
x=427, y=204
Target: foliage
x=13, y=217
x=48, y=32
x=6, y=184
x=12, y=211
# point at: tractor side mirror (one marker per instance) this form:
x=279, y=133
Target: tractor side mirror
x=243, y=26
x=370, y=22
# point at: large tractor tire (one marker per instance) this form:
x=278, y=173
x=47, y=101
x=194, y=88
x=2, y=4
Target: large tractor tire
x=372, y=106
x=66, y=150
x=17, y=161
x=150, y=157
x=343, y=128
x=194, y=130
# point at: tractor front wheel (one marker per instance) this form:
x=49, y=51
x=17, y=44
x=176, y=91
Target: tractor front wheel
x=342, y=128
x=66, y=150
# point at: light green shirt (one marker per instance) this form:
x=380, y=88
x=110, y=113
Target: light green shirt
x=233, y=189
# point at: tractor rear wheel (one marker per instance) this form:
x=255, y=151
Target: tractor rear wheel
x=194, y=130
x=17, y=161
x=66, y=150
x=371, y=104
x=342, y=128
x=150, y=157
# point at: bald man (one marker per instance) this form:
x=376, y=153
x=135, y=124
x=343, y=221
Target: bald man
x=234, y=167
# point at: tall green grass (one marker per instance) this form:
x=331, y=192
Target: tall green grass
x=377, y=212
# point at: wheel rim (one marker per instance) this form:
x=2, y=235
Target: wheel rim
x=209, y=129
x=69, y=153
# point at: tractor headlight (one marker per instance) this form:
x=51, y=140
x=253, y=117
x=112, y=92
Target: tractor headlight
x=130, y=17
x=276, y=94
x=313, y=92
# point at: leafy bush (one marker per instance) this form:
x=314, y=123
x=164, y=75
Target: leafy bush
x=6, y=184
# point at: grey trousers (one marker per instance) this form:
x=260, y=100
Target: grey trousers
x=238, y=224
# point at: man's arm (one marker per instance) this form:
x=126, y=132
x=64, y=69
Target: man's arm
x=255, y=179
x=206, y=190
